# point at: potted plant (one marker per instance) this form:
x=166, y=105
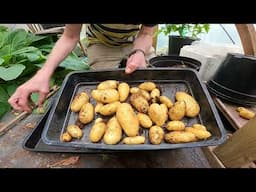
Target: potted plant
x=187, y=33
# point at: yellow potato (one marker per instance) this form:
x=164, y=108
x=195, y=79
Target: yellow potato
x=108, y=84
x=199, y=126
x=175, y=126
x=147, y=86
x=98, y=120
x=145, y=94
x=165, y=100
x=86, y=113
x=65, y=137
x=179, y=137
x=78, y=101
x=156, y=135
x=109, y=109
x=200, y=134
x=128, y=119
x=113, y=133
x=245, y=113
x=144, y=120
x=105, y=95
x=155, y=93
x=98, y=106
x=157, y=114
x=192, y=107
x=139, y=102
x=74, y=131
x=134, y=140
x=97, y=131
x=177, y=111
x=123, y=90
x=134, y=90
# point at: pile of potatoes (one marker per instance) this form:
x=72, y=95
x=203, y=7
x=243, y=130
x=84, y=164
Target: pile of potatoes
x=130, y=109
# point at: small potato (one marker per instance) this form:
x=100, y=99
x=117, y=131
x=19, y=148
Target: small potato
x=75, y=131
x=192, y=107
x=123, y=90
x=65, y=137
x=199, y=126
x=177, y=111
x=245, y=113
x=134, y=140
x=109, y=109
x=134, y=90
x=78, y=101
x=144, y=120
x=97, y=131
x=200, y=134
x=165, y=100
x=156, y=135
x=139, y=102
x=155, y=93
x=179, y=137
x=175, y=126
x=108, y=84
x=147, y=86
x=86, y=113
x=113, y=133
x=145, y=94
x=98, y=106
x=98, y=120
x=105, y=95
x=157, y=114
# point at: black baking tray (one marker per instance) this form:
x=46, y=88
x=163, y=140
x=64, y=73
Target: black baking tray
x=170, y=81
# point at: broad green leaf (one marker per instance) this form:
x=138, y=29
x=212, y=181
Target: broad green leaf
x=34, y=97
x=4, y=108
x=74, y=63
x=11, y=88
x=46, y=48
x=3, y=94
x=12, y=72
x=1, y=61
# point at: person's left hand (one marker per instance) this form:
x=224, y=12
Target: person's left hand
x=135, y=61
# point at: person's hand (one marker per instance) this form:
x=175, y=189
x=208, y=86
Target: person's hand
x=135, y=61
x=21, y=98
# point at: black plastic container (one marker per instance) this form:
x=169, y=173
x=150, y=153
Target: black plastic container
x=170, y=80
x=175, y=61
x=177, y=42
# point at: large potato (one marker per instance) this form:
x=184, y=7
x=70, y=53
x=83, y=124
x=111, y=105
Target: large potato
x=74, y=131
x=134, y=140
x=123, y=90
x=113, y=133
x=200, y=134
x=179, y=137
x=109, y=109
x=199, y=126
x=147, y=86
x=86, y=113
x=139, y=102
x=105, y=95
x=144, y=120
x=165, y=100
x=175, y=126
x=98, y=106
x=157, y=114
x=128, y=119
x=156, y=135
x=97, y=131
x=78, y=101
x=177, y=111
x=245, y=113
x=108, y=84
x=192, y=107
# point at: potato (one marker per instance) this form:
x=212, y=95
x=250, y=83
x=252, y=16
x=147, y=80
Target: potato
x=98, y=120
x=175, y=126
x=108, y=84
x=156, y=135
x=123, y=90
x=98, y=106
x=109, y=109
x=139, y=102
x=199, y=126
x=165, y=100
x=177, y=111
x=97, y=131
x=144, y=120
x=86, y=113
x=155, y=93
x=134, y=90
x=128, y=119
x=192, y=107
x=78, y=101
x=200, y=134
x=145, y=94
x=147, y=86
x=134, y=140
x=179, y=137
x=113, y=133
x=65, y=137
x=157, y=114
x=105, y=95
x=74, y=131
x=245, y=113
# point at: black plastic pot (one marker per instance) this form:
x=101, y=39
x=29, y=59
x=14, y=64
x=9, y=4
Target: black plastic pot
x=177, y=42
x=175, y=61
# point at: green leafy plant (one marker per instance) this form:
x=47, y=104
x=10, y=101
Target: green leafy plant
x=185, y=30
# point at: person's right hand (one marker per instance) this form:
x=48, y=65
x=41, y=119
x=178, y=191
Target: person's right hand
x=20, y=100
